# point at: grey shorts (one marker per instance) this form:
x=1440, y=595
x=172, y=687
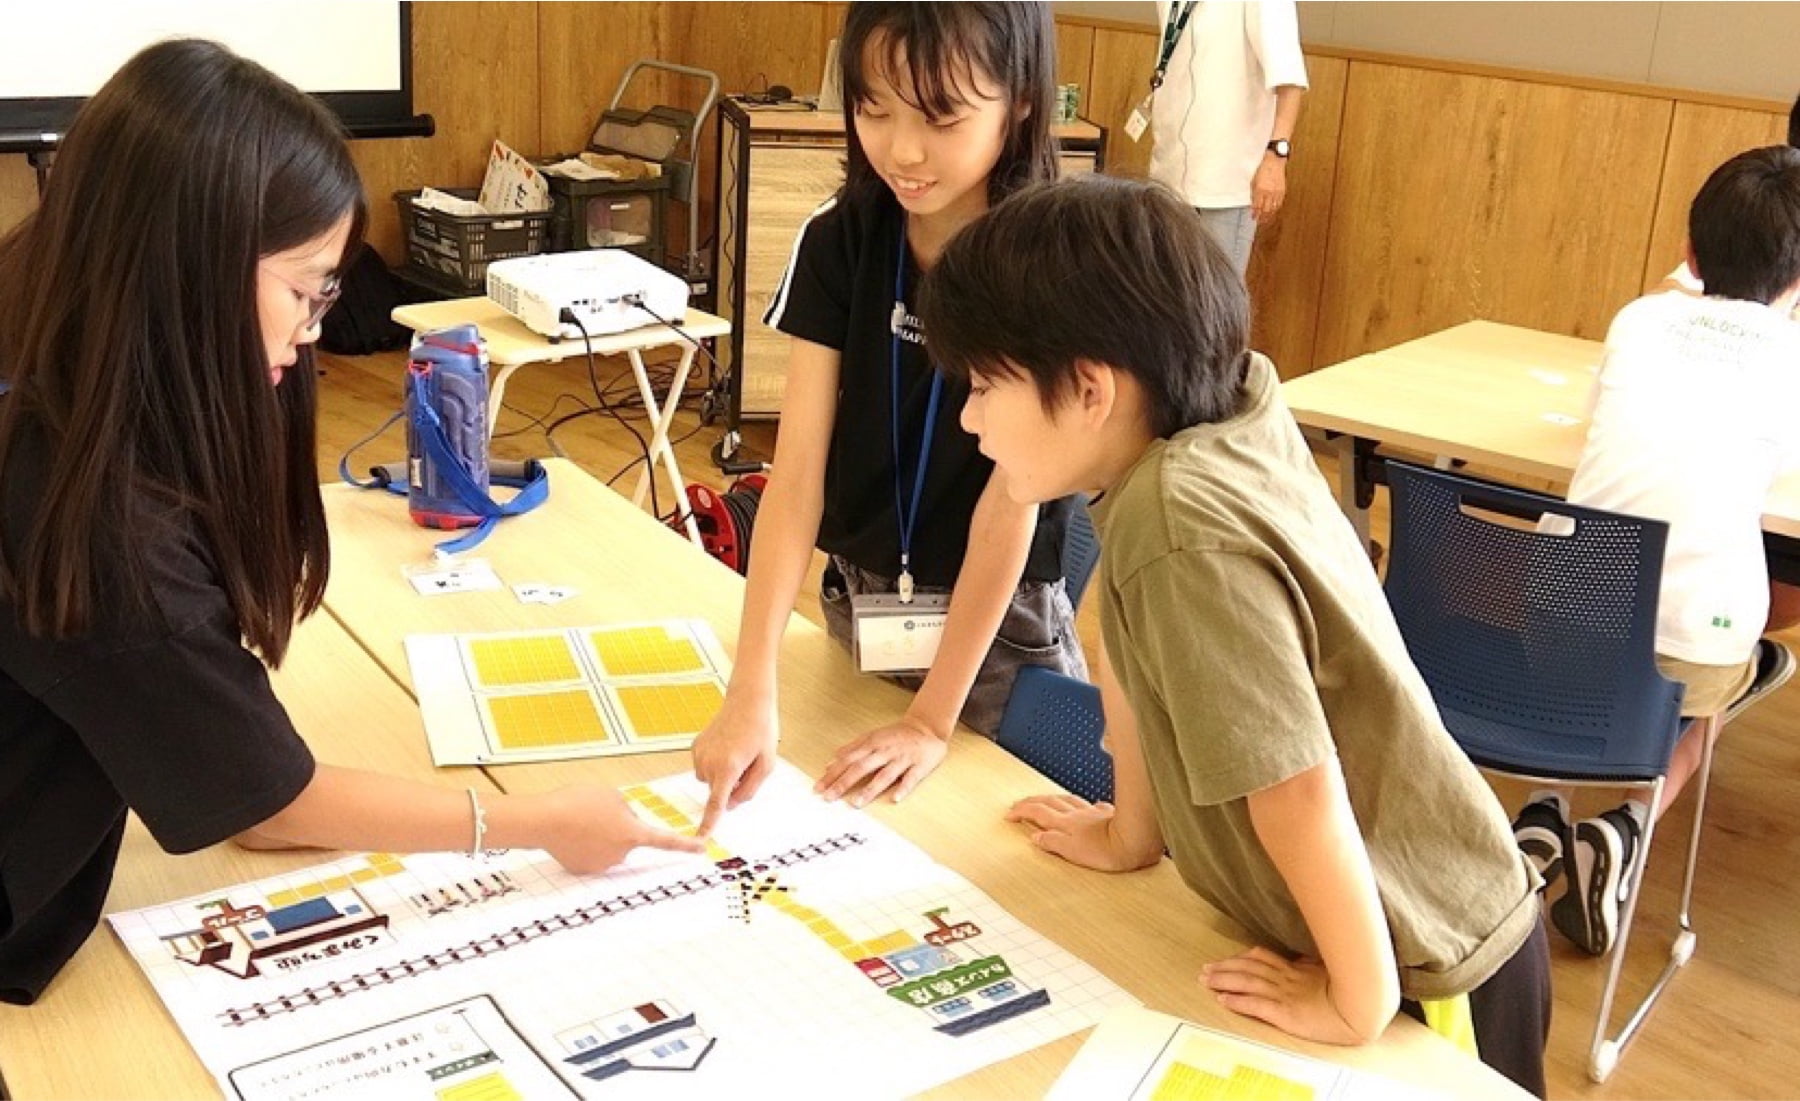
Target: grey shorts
x=1038, y=629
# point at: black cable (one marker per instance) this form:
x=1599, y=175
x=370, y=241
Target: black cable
x=531, y=421
x=587, y=340
x=638, y=301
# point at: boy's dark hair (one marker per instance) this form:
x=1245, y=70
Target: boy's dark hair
x=1745, y=225
x=1092, y=267
x=133, y=341
x=1014, y=44
x=1794, y=124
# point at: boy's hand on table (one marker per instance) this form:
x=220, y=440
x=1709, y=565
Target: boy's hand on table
x=890, y=759
x=1292, y=995
x=1076, y=830
x=733, y=756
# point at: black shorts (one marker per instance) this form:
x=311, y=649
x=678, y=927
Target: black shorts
x=1511, y=1013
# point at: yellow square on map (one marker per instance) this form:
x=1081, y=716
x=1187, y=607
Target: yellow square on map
x=529, y=659
x=670, y=710
x=547, y=720
x=645, y=651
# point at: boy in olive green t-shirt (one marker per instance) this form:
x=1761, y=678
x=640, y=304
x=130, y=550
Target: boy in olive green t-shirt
x=1266, y=723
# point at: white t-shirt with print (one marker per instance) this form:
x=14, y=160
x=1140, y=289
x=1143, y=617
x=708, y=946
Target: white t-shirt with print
x=1216, y=109
x=1695, y=413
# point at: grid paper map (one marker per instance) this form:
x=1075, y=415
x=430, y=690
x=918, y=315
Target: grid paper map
x=809, y=945
x=580, y=692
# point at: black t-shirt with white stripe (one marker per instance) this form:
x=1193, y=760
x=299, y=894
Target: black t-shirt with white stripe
x=839, y=292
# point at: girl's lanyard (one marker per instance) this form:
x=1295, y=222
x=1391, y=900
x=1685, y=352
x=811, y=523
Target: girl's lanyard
x=907, y=516
x=1180, y=11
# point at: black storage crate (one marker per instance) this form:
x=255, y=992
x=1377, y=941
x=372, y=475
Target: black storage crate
x=625, y=214
x=454, y=250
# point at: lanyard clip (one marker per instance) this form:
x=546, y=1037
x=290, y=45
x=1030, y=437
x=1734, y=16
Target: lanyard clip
x=905, y=581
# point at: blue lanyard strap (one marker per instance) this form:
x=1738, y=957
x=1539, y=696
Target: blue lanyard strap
x=908, y=516
x=1179, y=14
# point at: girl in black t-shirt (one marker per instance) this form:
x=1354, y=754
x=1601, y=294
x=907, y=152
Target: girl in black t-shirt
x=947, y=111
x=159, y=509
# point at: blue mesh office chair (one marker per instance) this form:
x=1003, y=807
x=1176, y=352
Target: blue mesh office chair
x=1053, y=723
x=1539, y=649
x=1080, y=553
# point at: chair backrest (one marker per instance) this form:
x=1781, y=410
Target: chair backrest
x=1080, y=552
x=1053, y=723
x=1537, y=640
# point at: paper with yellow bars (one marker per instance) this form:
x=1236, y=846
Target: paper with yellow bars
x=564, y=693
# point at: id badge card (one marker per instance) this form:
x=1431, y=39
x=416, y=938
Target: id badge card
x=895, y=637
x=1140, y=119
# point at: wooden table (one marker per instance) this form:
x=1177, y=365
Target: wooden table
x=1145, y=931
x=511, y=345
x=100, y=1031
x=1512, y=400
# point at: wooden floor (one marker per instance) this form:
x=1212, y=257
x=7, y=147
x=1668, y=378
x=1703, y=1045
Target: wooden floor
x=1719, y=1032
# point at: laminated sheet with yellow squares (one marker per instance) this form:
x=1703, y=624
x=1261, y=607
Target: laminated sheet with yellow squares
x=576, y=692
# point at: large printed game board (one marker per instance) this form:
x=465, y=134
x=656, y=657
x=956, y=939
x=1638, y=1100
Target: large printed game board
x=811, y=952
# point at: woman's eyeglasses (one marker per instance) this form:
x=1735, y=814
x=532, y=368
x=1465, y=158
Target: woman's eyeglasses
x=318, y=303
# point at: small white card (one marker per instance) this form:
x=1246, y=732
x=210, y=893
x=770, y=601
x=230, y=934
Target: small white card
x=1139, y=120
x=438, y=578
x=538, y=592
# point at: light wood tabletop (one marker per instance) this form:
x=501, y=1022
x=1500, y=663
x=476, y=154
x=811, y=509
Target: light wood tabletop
x=1511, y=399
x=1144, y=930
x=100, y=1030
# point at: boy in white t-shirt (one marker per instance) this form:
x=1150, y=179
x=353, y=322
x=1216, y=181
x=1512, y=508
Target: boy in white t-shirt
x=1692, y=422
x=1224, y=116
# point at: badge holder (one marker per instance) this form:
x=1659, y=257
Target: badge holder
x=891, y=635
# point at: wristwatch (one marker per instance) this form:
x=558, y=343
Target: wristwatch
x=1280, y=148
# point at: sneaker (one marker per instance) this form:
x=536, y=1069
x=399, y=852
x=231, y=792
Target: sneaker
x=1542, y=831
x=1774, y=665
x=1601, y=863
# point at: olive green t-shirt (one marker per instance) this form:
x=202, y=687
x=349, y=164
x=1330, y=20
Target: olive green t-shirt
x=1248, y=630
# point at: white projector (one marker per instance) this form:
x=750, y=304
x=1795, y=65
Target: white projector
x=607, y=290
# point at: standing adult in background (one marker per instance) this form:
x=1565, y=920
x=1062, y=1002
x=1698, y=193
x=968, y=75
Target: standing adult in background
x=1225, y=97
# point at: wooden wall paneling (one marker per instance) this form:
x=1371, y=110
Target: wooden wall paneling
x=750, y=46
x=584, y=52
x=831, y=24
x=1287, y=264
x=1461, y=197
x=1075, y=58
x=1117, y=83
x=1701, y=138
x=18, y=190
x=475, y=69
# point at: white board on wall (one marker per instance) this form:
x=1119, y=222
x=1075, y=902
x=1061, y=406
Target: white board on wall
x=70, y=48
x=354, y=54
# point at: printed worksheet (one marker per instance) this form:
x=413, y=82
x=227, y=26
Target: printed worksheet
x=810, y=947
x=580, y=692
